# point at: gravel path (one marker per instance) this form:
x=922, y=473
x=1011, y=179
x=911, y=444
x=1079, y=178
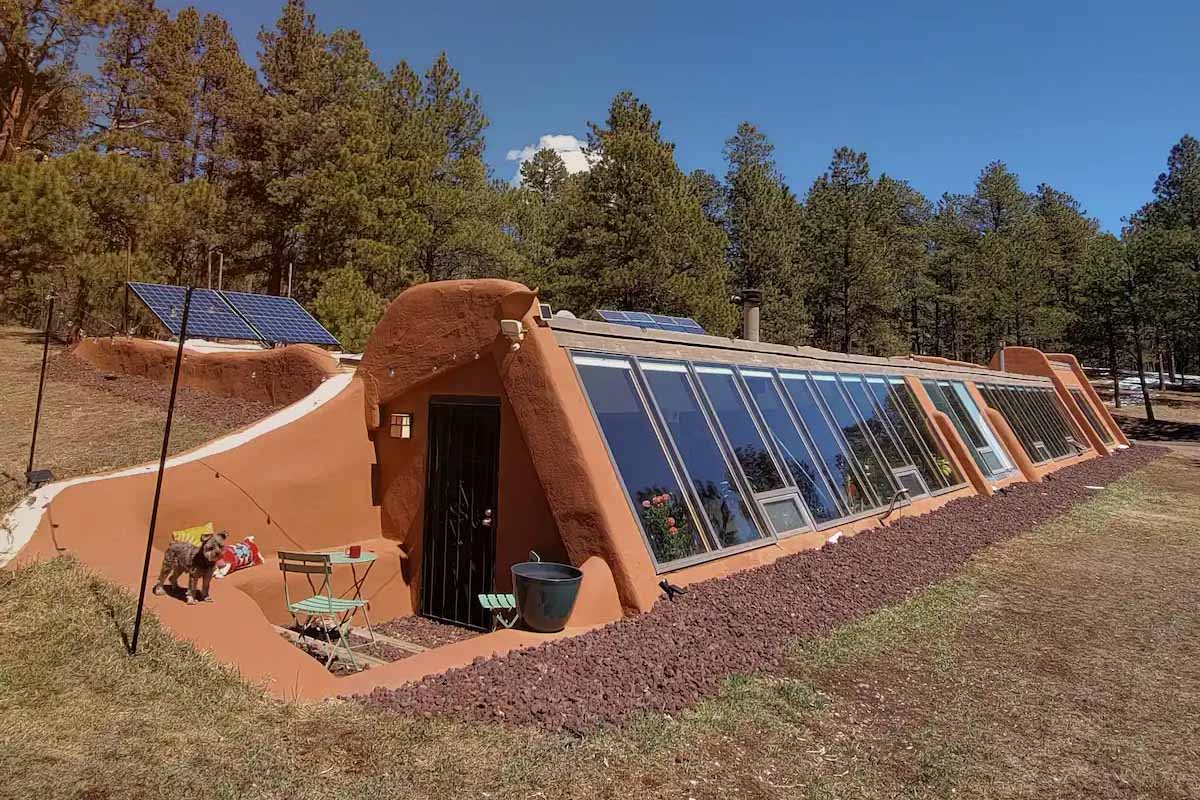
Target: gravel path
x=680, y=651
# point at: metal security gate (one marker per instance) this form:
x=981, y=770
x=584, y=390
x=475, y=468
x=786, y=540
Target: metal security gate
x=461, y=479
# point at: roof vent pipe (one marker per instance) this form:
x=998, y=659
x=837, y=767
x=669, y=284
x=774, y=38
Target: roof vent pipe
x=750, y=300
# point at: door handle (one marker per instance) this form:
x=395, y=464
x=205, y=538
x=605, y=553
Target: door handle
x=487, y=518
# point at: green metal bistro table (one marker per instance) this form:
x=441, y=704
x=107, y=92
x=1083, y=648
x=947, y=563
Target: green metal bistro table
x=366, y=560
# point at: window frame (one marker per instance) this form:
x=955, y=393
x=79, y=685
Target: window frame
x=927, y=422
x=802, y=431
x=788, y=488
x=896, y=442
x=865, y=430
x=1102, y=432
x=672, y=459
x=835, y=430
x=731, y=462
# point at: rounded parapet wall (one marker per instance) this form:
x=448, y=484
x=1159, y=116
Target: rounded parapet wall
x=276, y=377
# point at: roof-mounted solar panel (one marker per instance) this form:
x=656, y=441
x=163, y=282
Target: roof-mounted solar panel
x=661, y=322
x=209, y=316
x=280, y=319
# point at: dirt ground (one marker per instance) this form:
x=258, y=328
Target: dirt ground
x=1062, y=663
x=89, y=423
x=1176, y=414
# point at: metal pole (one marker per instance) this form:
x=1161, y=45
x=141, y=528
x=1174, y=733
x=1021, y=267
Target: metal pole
x=210, y=268
x=221, y=271
x=128, y=275
x=289, y=279
x=37, y=414
x=162, y=465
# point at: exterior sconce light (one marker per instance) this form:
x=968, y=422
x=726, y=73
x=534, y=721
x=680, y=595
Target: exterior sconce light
x=402, y=426
x=514, y=331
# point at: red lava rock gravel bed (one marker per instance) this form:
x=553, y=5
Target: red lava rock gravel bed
x=424, y=631
x=680, y=651
x=219, y=413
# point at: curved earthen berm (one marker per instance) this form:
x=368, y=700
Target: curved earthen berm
x=275, y=377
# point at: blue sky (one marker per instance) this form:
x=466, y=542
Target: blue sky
x=1086, y=97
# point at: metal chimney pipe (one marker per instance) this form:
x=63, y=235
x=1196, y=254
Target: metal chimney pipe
x=751, y=301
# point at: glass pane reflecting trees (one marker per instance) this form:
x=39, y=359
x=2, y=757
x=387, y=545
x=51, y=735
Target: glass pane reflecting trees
x=714, y=482
x=637, y=453
x=855, y=493
x=794, y=449
x=1088, y=412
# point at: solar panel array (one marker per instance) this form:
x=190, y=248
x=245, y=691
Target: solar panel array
x=661, y=322
x=209, y=317
x=233, y=315
x=279, y=319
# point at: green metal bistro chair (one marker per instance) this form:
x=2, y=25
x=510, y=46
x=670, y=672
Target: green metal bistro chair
x=331, y=611
x=502, y=606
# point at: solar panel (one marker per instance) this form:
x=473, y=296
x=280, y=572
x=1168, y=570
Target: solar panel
x=280, y=319
x=661, y=322
x=209, y=317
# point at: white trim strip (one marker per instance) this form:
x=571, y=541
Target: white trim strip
x=22, y=522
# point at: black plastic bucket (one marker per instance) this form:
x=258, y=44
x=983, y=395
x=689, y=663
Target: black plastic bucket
x=546, y=593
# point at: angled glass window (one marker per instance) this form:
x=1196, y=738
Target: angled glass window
x=715, y=483
x=857, y=437
x=871, y=416
x=904, y=404
x=985, y=450
x=990, y=450
x=1041, y=418
x=794, y=449
x=854, y=492
x=902, y=430
x=1090, y=414
x=1065, y=423
x=748, y=446
x=643, y=467
x=1017, y=414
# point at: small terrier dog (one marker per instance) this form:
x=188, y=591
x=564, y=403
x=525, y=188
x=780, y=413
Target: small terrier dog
x=197, y=562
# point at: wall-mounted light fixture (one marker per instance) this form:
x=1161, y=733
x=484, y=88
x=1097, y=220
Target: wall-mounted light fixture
x=514, y=331
x=402, y=426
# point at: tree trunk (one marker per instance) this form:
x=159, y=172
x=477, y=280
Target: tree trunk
x=845, y=317
x=916, y=331
x=1136, y=321
x=1112, y=364
x=937, y=327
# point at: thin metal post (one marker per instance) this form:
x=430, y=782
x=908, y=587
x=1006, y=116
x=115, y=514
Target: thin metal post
x=125, y=312
x=37, y=414
x=289, y=279
x=221, y=271
x=210, y=267
x=162, y=465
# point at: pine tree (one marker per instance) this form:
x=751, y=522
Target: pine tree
x=41, y=91
x=763, y=225
x=636, y=236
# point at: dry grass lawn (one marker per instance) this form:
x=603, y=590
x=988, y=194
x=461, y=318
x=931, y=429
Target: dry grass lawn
x=83, y=431
x=1064, y=663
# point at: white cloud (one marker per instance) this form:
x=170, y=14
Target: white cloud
x=569, y=149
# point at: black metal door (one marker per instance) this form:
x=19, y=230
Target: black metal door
x=460, y=509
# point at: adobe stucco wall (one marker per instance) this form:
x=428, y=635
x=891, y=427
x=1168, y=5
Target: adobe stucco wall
x=523, y=519
x=276, y=377
x=1030, y=361
x=303, y=486
x=434, y=329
